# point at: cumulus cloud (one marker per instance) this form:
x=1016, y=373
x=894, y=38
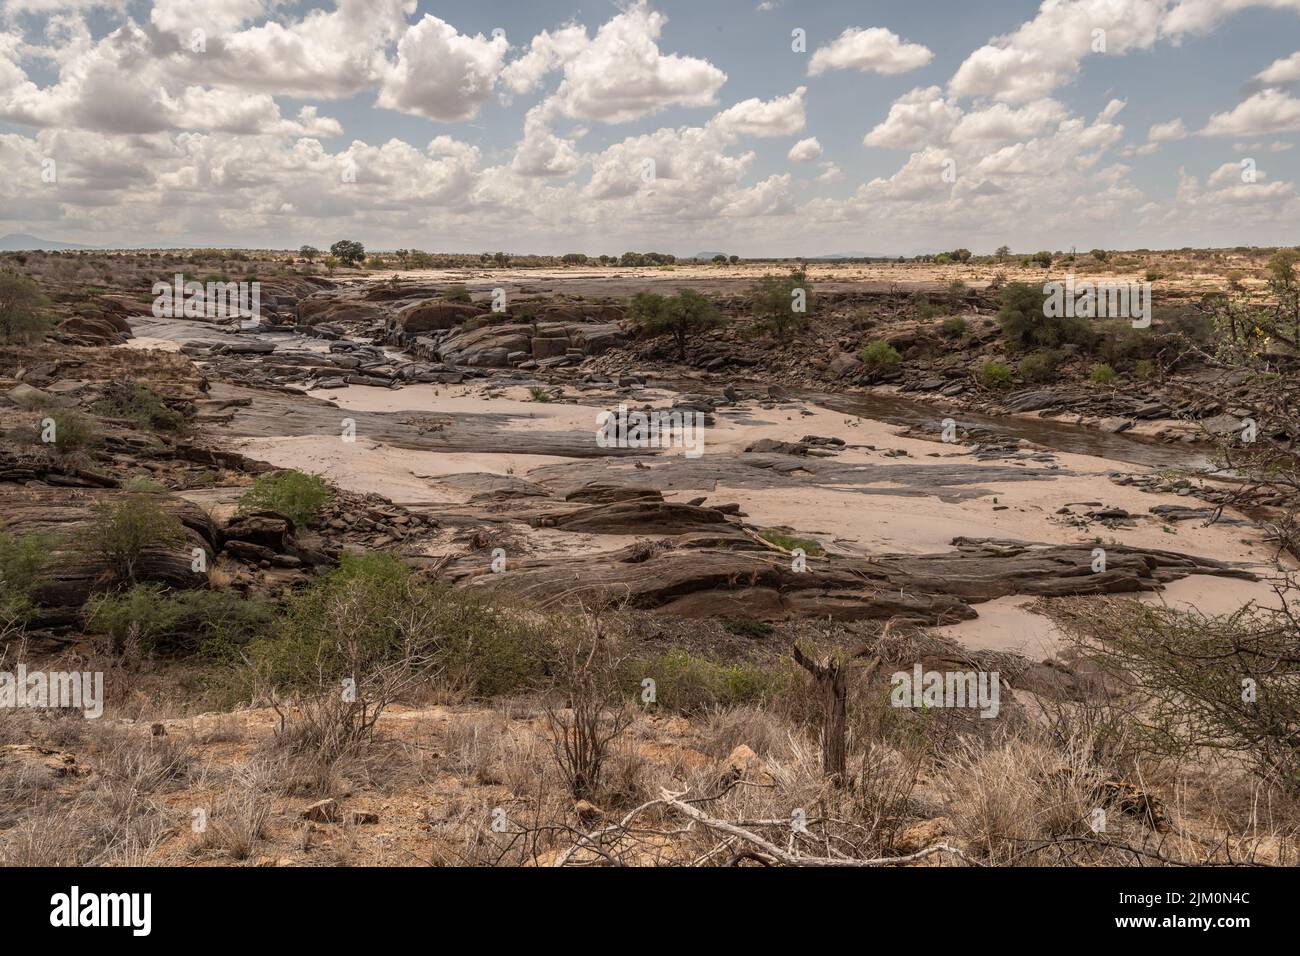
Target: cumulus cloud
x=805, y=151
x=872, y=50
x=1001, y=123
x=1268, y=111
x=1167, y=132
x=783, y=116
x=916, y=118
x=441, y=74
x=1281, y=72
x=622, y=75
x=1045, y=52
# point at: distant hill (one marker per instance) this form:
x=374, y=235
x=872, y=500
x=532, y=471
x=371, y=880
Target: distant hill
x=23, y=242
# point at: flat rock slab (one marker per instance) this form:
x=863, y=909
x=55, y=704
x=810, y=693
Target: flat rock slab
x=714, y=576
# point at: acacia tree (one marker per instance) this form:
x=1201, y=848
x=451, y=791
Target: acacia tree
x=348, y=251
x=682, y=315
x=782, y=304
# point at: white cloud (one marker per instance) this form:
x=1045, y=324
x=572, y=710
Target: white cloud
x=547, y=52
x=1268, y=111
x=1202, y=16
x=872, y=50
x=441, y=74
x=1001, y=123
x=783, y=116
x=621, y=75
x=916, y=118
x=1281, y=72
x=1167, y=132
x=1045, y=52
x=805, y=151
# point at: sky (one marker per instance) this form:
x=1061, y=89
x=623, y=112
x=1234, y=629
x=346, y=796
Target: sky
x=774, y=128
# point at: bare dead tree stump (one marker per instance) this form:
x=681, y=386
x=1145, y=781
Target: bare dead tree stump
x=830, y=674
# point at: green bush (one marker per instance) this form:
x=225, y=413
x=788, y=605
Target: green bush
x=389, y=615
x=694, y=685
x=684, y=315
x=299, y=496
x=121, y=533
x=215, y=624
x=22, y=315
x=1025, y=324
x=995, y=374
x=775, y=299
x=880, y=354
x=1103, y=375
x=457, y=293
x=1038, y=367
x=22, y=557
x=71, y=431
x=140, y=404
x=1145, y=369
x=954, y=327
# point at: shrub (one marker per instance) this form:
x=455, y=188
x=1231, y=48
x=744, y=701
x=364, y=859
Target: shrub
x=688, y=684
x=995, y=374
x=22, y=557
x=22, y=316
x=1145, y=369
x=299, y=496
x=141, y=404
x=1038, y=367
x=121, y=533
x=683, y=315
x=68, y=429
x=214, y=623
x=1025, y=324
x=457, y=293
x=539, y=394
x=954, y=327
x=372, y=612
x=880, y=354
x=1103, y=375
x=776, y=302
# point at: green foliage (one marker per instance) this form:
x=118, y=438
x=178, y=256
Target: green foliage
x=22, y=315
x=1103, y=375
x=1144, y=370
x=121, y=533
x=682, y=315
x=215, y=624
x=954, y=327
x=777, y=300
x=22, y=557
x=1101, y=255
x=995, y=374
x=389, y=614
x=694, y=685
x=746, y=627
x=309, y=253
x=71, y=430
x=790, y=542
x=348, y=251
x=1024, y=324
x=880, y=354
x=459, y=292
x=141, y=404
x=539, y=394
x=1038, y=367
x=299, y=496
x=1043, y=259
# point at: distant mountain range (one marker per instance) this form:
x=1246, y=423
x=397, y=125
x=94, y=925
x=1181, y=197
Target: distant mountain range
x=24, y=242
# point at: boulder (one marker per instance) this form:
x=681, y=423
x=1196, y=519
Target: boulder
x=549, y=347
x=434, y=315
x=844, y=365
